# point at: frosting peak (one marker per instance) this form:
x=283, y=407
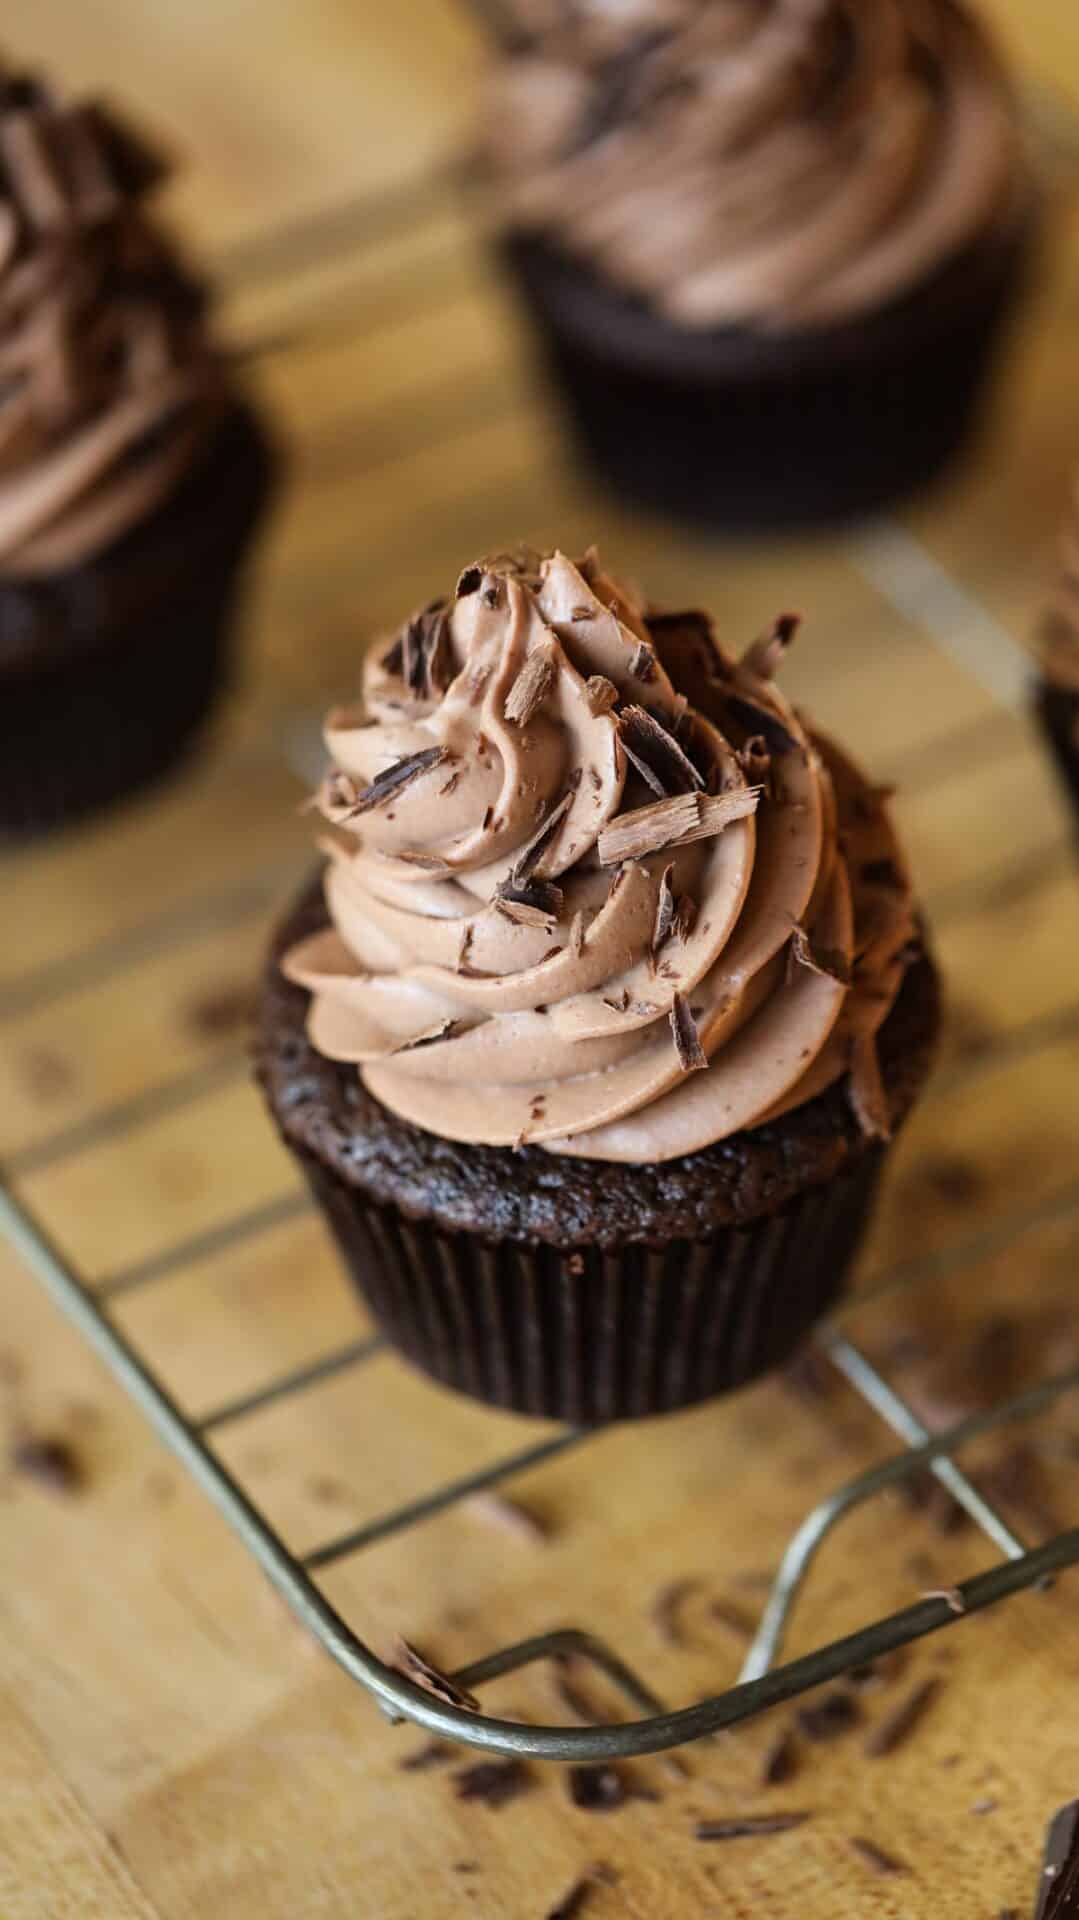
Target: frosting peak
x=592, y=883
x=106, y=378
x=773, y=163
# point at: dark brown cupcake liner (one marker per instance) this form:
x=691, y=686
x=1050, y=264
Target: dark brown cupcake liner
x=590, y=1336
x=736, y=429
x=110, y=670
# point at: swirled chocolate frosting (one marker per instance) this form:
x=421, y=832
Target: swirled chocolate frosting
x=594, y=884
x=107, y=382
x=772, y=163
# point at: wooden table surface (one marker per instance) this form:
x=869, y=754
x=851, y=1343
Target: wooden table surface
x=170, y=1743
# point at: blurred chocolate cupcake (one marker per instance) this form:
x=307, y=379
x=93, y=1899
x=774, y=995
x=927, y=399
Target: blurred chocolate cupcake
x=592, y=1036
x=132, y=474
x=769, y=246
x=1056, y=693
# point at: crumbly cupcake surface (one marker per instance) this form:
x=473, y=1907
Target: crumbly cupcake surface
x=777, y=165
x=592, y=883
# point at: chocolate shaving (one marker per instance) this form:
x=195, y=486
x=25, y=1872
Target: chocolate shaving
x=685, y=918
x=535, y=904
x=830, y=962
x=691, y=1055
x=495, y=1782
x=393, y=779
x=601, y=693
x=830, y=1718
x=532, y=853
x=765, y=655
x=865, y=1089
x=510, y=1515
x=420, y=656
x=470, y=582
x=643, y=665
x=897, y=1726
x=531, y=687
x=598, y=1789
x=52, y=1462
x=656, y=754
x=448, y=1029
x=667, y=1611
x=780, y=1761
x=758, y=721
x=434, y=1753
x=522, y=912
x=750, y=1826
x=875, y=1857
x=1058, y=1892
x=675, y=822
x=664, y=910
x=450, y=785
x=424, y=1674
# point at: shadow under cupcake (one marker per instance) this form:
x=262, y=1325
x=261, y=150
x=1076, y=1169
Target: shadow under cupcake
x=132, y=473
x=769, y=250
x=593, y=1034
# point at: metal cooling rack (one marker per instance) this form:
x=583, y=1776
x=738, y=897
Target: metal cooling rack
x=898, y=570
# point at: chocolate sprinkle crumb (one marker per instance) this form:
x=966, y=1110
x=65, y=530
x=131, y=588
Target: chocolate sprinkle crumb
x=875, y=1857
x=667, y=1611
x=392, y=779
x=448, y=1029
x=434, y=1753
x=656, y=754
x=598, y=1789
x=830, y=1718
x=643, y=664
x=602, y=693
x=495, y=1782
x=895, y=1727
x=52, y=1462
x=780, y=1761
x=827, y=961
x=691, y=1055
x=750, y=1826
x=539, y=898
x=572, y=1902
x=424, y=1674
x=531, y=687
x=664, y=910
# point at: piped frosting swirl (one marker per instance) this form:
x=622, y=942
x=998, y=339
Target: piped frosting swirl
x=107, y=382
x=770, y=163
x=592, y=883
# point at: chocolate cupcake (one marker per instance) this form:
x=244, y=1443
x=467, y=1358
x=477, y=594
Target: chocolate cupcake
x=1056, y=693
x=769, y=248
x=132, y=474
x=593, y=1033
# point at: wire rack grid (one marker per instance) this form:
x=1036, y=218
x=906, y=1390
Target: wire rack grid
x=766, y=1679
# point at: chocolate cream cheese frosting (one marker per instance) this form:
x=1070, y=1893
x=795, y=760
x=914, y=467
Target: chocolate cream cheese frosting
x=593, y=884
x=107, y=383
x=771, y=163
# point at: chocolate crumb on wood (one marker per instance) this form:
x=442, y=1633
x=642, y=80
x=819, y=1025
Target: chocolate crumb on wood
x=423, y=1673
x=599, y=1789
x=573, y=1900
x=750, y=1826
x=780, y=1759
x=691, y=1055
x=494, y=1782
x=829, y=1718
x=875, y=1857
x=666, y=1610
x=49, y=1460
x=893, y=1728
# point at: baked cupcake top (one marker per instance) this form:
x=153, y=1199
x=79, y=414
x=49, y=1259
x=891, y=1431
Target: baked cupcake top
x=1060, y=640
x=593, y=883
x=777, y=164
x=109, y=382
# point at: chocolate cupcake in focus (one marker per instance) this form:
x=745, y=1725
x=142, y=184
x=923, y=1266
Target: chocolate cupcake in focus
x=769, y=247
x=1056, y=694
x=132, y=475
x=592, y=1036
